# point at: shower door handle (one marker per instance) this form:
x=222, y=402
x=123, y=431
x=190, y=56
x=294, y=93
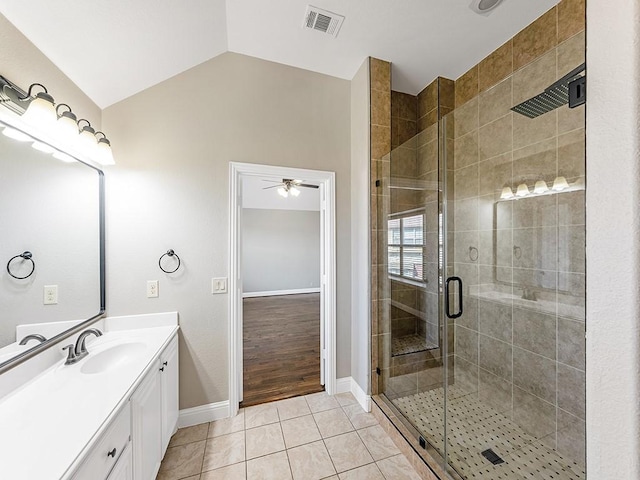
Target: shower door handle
x=447, y=305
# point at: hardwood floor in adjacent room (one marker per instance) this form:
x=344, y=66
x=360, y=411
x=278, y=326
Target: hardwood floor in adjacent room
x=281, y=347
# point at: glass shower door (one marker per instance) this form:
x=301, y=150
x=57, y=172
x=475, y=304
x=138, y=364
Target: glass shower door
x=514, y=217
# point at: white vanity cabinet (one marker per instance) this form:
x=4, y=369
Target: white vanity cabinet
x=154, y=413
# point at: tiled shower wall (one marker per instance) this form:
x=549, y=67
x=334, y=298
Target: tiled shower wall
x=520, y=343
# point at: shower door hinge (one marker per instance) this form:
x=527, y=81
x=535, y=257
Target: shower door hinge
x=377, y=183
x=378, y=370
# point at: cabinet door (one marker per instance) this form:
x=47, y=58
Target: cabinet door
x=169, y=380
x=146, y=431
x=124, y=468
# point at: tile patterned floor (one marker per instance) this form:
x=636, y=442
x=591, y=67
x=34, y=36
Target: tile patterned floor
x=303, y=438
x=410, y=344
x=474, y=427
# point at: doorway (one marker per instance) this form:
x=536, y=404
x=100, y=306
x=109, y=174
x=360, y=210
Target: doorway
x=285, y=317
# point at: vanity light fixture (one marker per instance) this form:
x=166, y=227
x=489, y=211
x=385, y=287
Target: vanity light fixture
x=41, y=111
x=522, y=190
x=57, y=125
x=540, y=187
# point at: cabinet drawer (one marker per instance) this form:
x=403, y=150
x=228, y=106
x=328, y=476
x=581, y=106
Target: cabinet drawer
x=105, y=453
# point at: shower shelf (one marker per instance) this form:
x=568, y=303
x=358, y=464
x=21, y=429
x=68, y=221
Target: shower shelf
x=410, y=344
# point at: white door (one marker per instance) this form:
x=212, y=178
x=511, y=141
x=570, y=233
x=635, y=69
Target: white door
x=239, y=353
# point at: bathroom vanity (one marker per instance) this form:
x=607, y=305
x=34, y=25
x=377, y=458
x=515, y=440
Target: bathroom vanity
x=108, y=416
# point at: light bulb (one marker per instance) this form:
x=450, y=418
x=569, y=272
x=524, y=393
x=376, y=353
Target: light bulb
x=87, y=140
x=283, y=192
x=294, y=191
x=67, y=125
x=522, y=190
x=104, y=155
x=43, y=147
x=560, y=183
x=16, y=135
x=41, y=112
x=506, y=193
x=541, y=187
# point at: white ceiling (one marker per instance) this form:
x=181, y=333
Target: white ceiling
x=254, y=195
x=115, y=48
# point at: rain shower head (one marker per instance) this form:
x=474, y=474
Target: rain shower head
x=569, y=89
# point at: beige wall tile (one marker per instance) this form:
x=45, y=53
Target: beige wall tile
x=466, y=183
x=467, y=87
x=571, y=53
x=534, y=374
x=380, y=74
x=495, y=102
x=428, y=119
x=533, y=78
x=465, y=118
x=535, y=331
x=571, y=437
x=495, y=320
x=533, y=415
x=495, y=391
x=535, y=162
x=571, y=18
x=496, y=138
x=446, y=92
x=466, y=150
x=572, y=155
x=536, y=39
x=380, y=141
x=494, y=174
x=527, y=131
x=466, y=344
x=428, y=99
x=496, y=67
x=495, y=357
x=571, y=343
x=571, y=390
x=381, y=108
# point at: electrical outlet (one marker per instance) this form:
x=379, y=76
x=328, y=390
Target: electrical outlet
x=152, y=288
x=50, y=295
x=219, y=285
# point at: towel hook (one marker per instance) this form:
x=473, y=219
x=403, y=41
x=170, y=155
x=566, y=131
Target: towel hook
x=26, y=255
x=170, y=253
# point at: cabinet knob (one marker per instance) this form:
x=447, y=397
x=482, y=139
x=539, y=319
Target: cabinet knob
x=112, y=453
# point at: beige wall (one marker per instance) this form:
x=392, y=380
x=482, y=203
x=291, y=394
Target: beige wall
x=24, y=64
x=173, y=143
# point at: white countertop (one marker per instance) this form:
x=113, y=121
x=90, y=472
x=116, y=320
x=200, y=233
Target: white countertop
x=47, y=424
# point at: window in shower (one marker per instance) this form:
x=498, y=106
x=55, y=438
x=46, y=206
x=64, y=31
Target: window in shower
x=406, y=247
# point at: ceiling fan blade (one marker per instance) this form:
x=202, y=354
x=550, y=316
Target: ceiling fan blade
x=270, y=181
x=307, y=185
x=272, y=186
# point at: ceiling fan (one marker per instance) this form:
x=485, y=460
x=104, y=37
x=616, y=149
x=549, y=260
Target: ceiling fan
x=289, y=186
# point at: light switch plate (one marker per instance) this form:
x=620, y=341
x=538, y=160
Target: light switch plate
x=219, y=285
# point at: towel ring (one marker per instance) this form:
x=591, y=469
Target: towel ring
x=473, y=254
x=24, y=256
x=170, y=253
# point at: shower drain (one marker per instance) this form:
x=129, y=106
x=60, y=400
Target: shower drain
x=492, y=456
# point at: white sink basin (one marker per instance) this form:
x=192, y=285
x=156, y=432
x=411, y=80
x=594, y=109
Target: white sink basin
x=112, y=357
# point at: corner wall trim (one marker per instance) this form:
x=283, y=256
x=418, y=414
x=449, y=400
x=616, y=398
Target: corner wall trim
x=348, y=384
x=274, y=293
x=203, y=414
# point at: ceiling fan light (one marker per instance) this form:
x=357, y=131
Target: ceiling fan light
x=283, y=192
x=294, y=191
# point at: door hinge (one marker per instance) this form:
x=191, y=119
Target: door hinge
x=377, y=183
x=378, y=370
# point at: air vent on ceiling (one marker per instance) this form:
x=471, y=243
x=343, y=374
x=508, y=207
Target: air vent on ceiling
x=322, y=21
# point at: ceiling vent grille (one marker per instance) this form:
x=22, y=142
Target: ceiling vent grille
x=322, y=21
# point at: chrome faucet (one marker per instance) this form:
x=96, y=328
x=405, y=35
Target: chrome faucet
x=77, y=352
x=81, y=348
x=33, y=336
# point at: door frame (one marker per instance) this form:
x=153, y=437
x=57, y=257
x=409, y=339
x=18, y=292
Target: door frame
x=326, y=180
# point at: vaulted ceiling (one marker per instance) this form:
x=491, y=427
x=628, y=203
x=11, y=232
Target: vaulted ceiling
x=113, y=49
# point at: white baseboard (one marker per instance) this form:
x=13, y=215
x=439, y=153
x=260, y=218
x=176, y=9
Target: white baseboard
x=274, y=293
x=203, y=414
x=348, y=384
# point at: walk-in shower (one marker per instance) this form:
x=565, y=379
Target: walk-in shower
x=482, y=287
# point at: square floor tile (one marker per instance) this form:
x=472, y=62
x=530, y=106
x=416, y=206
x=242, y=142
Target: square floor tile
x=227, y=425
x=378, y=442
x=260, y=415
x=358, y=417
x=292, y=407
x=346, y=398
x=310, y=462
x=189, y=435
x=264, y=440
x=269, y=467
x=321, y=401
x=182, y=461
x=397, y=468
x=224, y=450
x=332, y=422
x=232, y=472
x=347, y=451
x=368, y=472
x=299, y=431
